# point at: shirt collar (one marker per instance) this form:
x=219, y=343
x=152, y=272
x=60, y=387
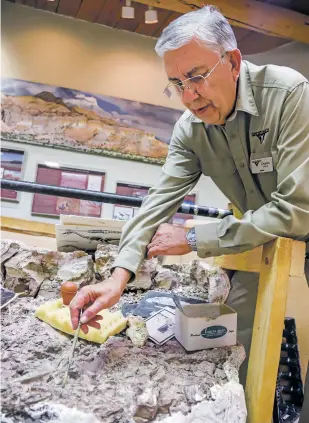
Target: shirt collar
x=245, y=101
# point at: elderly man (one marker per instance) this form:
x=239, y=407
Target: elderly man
x=246, y=127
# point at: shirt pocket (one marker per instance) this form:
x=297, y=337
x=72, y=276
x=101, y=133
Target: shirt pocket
x=218, y=167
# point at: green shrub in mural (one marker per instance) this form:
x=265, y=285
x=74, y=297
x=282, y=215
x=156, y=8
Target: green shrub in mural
x=69, y=119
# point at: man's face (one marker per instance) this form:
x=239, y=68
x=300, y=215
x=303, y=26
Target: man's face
x=213, y=100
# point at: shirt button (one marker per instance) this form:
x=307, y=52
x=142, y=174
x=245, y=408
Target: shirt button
x=251, y=191
x=242, y=165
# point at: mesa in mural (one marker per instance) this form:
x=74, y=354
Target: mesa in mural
x=79, y=121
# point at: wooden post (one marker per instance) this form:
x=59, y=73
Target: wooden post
x=267, y=330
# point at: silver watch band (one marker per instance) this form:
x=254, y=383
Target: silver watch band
x=191, y=238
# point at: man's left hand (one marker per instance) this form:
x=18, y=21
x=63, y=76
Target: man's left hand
x=169, y=240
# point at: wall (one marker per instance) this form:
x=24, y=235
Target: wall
x=43, y=47
x=294, y=55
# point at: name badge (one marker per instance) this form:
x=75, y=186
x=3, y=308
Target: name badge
x=262, y=165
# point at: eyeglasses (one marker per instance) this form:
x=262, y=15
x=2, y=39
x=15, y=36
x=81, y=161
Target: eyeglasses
x=191, y=83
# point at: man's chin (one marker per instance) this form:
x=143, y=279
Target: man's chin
x=213, y=120
x=209, y=115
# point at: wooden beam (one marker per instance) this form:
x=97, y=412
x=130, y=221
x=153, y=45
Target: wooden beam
x=172, y=16
x=250, y=261
x=50, y=6
x=68, y=7
x=250, y=14
x=28, y=227
x=267, y=330
x=89, y=10
x=110, y=14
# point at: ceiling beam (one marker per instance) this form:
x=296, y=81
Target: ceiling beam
x=254, y=15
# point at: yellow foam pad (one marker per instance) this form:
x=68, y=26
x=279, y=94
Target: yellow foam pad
x=58, y=316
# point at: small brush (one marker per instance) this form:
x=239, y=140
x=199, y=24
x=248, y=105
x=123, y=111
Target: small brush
x=65, y=378
x=68, y=291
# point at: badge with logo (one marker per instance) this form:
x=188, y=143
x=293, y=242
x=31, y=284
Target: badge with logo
x=260, y=134
x=261, y=165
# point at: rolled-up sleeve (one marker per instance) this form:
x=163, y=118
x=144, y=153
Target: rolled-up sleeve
x=287, y=214
x=179, y=175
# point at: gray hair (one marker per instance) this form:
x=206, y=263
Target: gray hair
x=206, y=25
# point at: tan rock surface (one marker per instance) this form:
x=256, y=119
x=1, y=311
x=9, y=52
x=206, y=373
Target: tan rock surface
x=31, y=270
x=105, y=256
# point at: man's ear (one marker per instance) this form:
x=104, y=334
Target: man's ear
x=235, y=60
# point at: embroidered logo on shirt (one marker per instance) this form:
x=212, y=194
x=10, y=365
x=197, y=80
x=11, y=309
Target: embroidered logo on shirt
x=256, y=162
x=260, y=134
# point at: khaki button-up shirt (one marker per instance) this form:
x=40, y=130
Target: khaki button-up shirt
x=267, y=133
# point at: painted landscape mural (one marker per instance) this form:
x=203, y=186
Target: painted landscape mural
x=75, y=120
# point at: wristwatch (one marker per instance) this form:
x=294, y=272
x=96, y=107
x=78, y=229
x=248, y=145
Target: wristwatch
x=191, y=238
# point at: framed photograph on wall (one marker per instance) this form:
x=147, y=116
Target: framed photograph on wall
x=12, y=162
x=70, y=178
x=126, y=212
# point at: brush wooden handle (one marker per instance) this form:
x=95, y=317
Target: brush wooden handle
x=68, y=291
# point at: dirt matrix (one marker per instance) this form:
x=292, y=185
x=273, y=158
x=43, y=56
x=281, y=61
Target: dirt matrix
x=115, y=382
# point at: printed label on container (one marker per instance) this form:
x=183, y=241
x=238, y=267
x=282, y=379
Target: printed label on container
x=214, y=332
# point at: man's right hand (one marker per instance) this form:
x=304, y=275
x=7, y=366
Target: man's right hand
x=94, y=298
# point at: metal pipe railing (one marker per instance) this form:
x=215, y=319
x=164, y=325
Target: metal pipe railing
x=106, y=197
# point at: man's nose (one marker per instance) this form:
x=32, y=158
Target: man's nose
x=189, y=94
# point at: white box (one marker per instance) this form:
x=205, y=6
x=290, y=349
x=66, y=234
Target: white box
x=205, y=326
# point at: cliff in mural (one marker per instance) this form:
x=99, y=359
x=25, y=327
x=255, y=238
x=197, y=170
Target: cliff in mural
x=48, y=120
